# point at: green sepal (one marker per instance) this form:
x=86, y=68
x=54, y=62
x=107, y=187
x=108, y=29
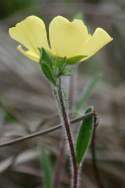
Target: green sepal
x=47, y=65
x=54, y=67
x=60, y=66
x=45, y=57
x=48, y=73
x=84, y=136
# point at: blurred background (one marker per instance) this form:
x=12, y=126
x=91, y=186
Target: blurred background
x=27, y=105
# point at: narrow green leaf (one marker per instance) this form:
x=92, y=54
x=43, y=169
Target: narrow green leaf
x=84, y=136
x=48, y=73
x=87, y=92
x=46, y=168
x=76, y=59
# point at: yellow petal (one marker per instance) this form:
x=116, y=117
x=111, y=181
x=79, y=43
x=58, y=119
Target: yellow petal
x=67, y=38
x=31, y=55
x=31, y=33
x=97, y=41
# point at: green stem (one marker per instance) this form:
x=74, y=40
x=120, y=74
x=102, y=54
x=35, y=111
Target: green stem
x=66, y=123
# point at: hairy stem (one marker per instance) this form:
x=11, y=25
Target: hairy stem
x=61, y=157
x=66, y=123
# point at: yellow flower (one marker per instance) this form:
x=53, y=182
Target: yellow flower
x=67, y=39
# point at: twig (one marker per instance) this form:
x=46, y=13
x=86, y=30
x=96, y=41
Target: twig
x=42, y=132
